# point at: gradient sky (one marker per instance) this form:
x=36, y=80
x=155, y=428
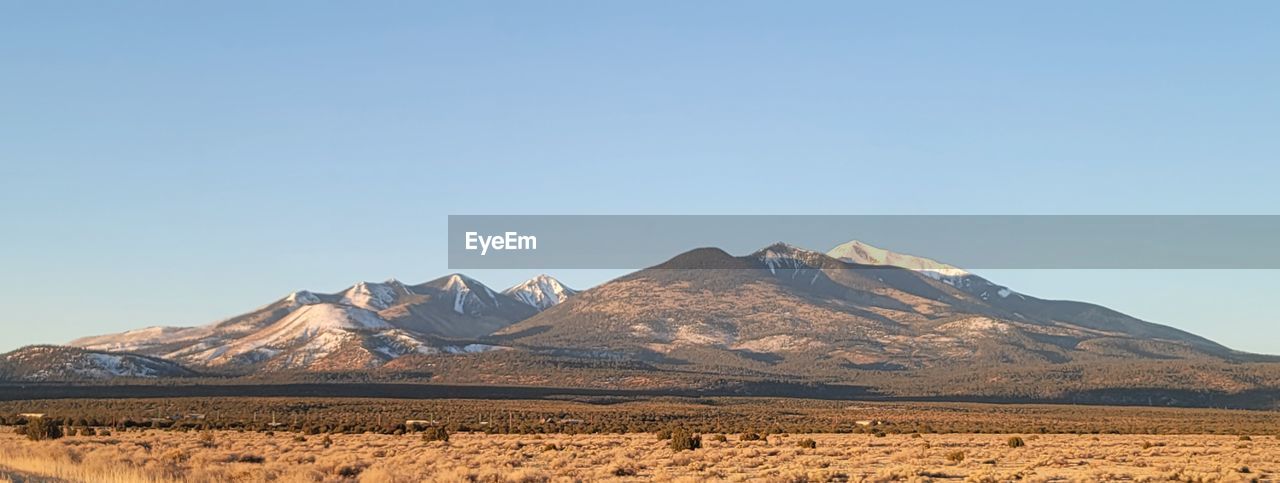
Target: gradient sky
x=178, y=162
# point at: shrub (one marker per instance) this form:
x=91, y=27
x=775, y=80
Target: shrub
x=750, y=437
x=435, y=433
x=349, y=471
x=246, y=458
x=327, y=441
x=41, y=428
x=720, y=438
x=664, y=434
x=624, y=471
x=1245, y=437
x=683, y=440
x=299, y=439
x=955, y=456
x=1015, y=442
x=807, y=443
x=206, y=440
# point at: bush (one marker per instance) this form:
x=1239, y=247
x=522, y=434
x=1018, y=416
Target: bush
x=435, y=433
x=683, y=440
x=624, y=471
x=327, y=441
x=246, y=458
x=807, y=443
x=955, y=456
x=750, y=437
x=1245, y=437
x=41, y=428
x=1015, y=442
x=207, y=441
x=664, y=434
x=720, y=438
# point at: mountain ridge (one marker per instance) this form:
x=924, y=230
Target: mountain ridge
x=705, y=318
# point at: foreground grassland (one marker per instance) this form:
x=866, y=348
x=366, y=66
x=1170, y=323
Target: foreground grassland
x=214, y=456
x=593, y=439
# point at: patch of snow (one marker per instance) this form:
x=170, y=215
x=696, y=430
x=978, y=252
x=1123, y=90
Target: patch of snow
x=541, y=292
x=781, y=343
x=373, y=296
x=864, y=254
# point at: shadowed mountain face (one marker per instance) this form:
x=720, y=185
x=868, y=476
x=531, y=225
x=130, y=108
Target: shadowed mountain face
x=787, y=309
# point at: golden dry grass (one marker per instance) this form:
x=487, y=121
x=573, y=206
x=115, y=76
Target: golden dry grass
x=157, y=456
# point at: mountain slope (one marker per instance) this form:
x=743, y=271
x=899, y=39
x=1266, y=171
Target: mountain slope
x=358, y=328
x=788, y=311
x=1017, y=305
x=56, y=363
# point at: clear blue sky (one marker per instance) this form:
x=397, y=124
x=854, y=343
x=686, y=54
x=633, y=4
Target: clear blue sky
x=178, y=162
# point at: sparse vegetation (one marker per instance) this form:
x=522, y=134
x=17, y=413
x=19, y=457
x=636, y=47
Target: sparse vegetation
x=1015, y=442
x=435, y=433
x=39, y=429
x=134, y=455
x=736, y=416
x=682, y=440
x=807, y=443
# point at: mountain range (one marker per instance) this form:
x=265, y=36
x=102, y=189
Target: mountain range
x=856, y=314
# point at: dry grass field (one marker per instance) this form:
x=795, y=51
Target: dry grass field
x=214, y=456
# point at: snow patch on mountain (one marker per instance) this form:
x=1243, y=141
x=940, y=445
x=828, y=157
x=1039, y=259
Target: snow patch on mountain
x=541, y=292
x=372, y=296
x=863, y=254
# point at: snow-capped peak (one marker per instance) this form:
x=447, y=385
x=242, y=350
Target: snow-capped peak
x=788, y=257
x=861, y=253
x=467, y=290
x=541, y=292
x=302, y=297
x=372, y=296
